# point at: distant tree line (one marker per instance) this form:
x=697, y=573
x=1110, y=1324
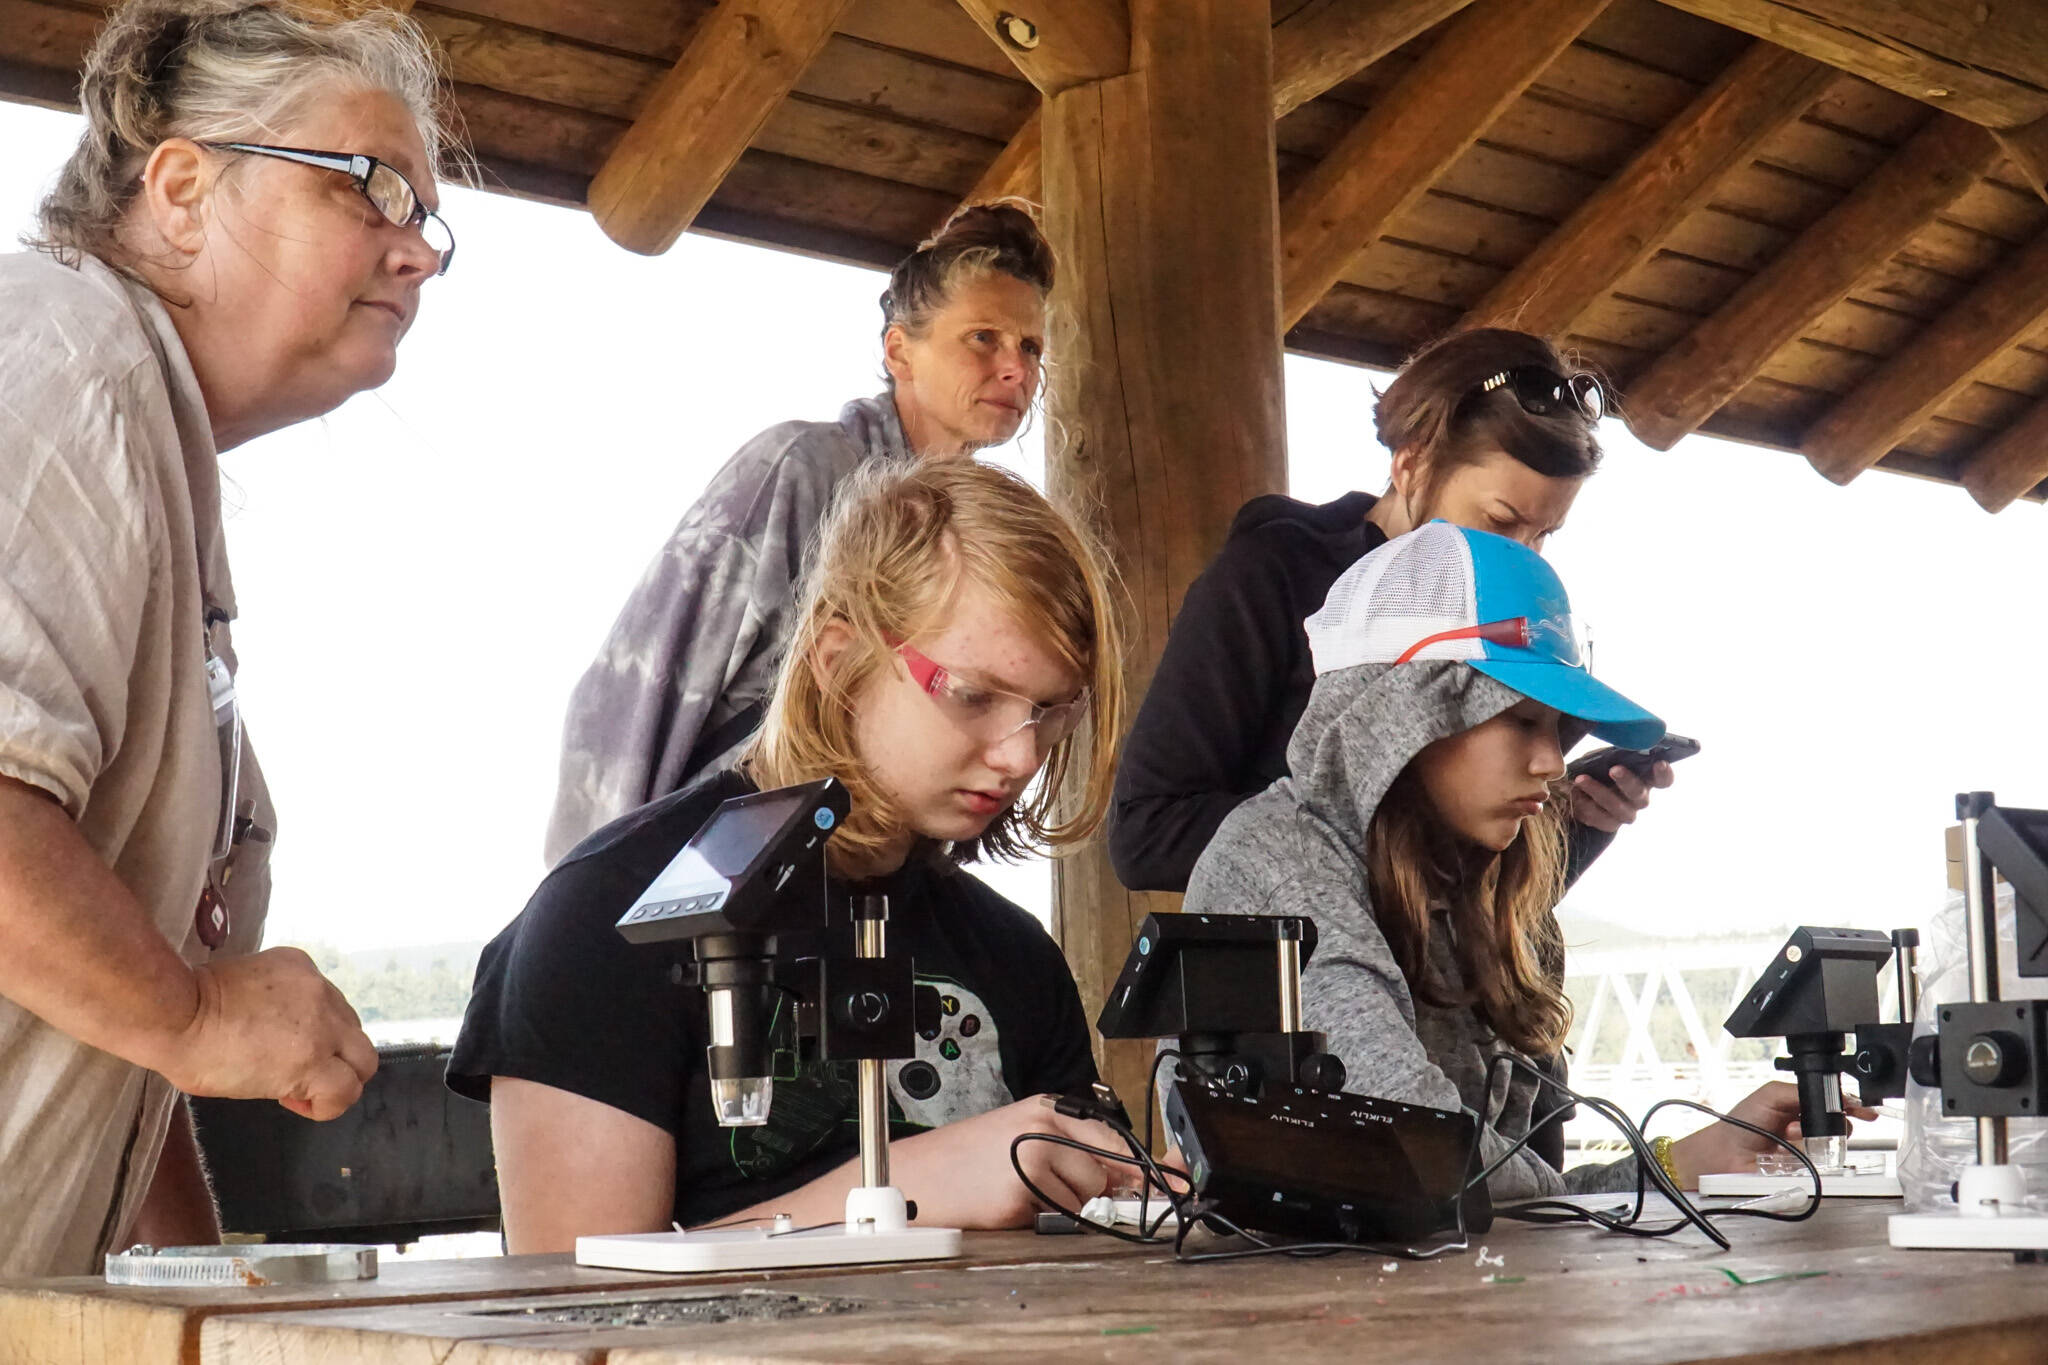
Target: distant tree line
x=394, y=990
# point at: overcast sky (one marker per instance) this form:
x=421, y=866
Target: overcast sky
x=425, y=573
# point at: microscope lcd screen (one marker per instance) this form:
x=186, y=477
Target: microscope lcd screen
x=738, y=833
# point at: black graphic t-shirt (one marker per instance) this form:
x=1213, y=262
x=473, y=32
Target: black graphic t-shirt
x=562, y=1000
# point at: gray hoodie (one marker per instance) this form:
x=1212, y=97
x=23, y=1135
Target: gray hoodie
x=1298, y=848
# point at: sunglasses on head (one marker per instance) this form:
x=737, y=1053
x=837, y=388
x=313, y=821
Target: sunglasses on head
x=1543, y=392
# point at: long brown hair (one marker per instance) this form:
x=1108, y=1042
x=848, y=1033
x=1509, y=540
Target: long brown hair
x=1435, y=408
x=899, y=543
x=1507, y=949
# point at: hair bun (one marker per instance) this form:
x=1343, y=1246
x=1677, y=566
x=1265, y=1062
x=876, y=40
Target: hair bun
x=1002, y=237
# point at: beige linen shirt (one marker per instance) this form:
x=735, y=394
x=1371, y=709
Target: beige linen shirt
x=110, y=555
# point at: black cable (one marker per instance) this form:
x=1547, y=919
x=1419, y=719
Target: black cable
x=1649, y=1171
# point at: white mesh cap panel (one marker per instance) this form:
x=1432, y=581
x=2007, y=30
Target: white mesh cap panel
x=1407, y=590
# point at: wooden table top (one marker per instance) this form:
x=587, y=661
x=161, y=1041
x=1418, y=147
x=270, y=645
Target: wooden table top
x=1829, y=1289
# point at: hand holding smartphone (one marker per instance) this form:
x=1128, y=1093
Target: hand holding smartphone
x=1641, y=762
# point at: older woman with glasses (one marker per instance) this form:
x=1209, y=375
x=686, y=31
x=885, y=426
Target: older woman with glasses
x=237, y=244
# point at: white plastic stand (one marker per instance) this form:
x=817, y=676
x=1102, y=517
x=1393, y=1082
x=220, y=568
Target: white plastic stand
x=1990, y=1215
x=1844, y=1184
x=875, y=1230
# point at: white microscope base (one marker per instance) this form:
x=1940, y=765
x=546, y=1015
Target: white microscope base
x=758, y=1249
x=1855, y=1184
x=1949, y=1231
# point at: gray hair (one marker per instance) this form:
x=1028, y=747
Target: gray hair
x=218, y=71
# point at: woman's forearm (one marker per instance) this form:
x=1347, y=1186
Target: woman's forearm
x=81, y=952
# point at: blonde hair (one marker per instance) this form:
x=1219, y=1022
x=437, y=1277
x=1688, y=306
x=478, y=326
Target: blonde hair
x=218, y=71
x=1505, y=936
x=899, y=544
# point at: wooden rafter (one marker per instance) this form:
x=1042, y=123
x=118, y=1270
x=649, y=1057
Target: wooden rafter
x=1890, y=404
x=1327, y=42
x=1674, y=174
x=1389, y=158
x=2012, y=463
x=1981, y=60
x=1058, y=44
x=1898, y=199
x=357, y=6
x=1319, y=46
x=739, y=65
x=2027, y=149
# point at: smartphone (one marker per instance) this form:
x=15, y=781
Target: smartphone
x=1669, y=749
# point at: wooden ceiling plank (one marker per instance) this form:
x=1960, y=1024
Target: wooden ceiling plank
x=1809, y=277
x=935, y=29
x=1622, y=225
x=1327, y=42
x=854, y=139
x=1473, y=71
x=1072, y=42
x=655, y=29
x=1984, y=62
x=743, y=59
x=45, y=36
x=539, y=66
x=2009, y=465
x=1934, y=366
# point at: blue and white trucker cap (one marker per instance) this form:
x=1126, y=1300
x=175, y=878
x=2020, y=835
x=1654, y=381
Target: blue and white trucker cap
x=1448, y=592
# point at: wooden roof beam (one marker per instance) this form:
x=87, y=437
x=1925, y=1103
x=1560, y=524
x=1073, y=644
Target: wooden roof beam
x=2008, y=305
x=1981, y=60
x=1620, y=227
x=1327, y=42
x=1685, y=385
x=1320, y=45
x=2012, y=463
x=740, y=63
x=1058, y=44
x=1479, y=66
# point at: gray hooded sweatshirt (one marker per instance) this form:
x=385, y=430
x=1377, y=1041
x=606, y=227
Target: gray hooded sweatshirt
x=1298, y=848
x=677, y=688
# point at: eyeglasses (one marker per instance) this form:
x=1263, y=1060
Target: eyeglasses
x=1514, y=632
x=388, y=191
x=1543, y=392
x=990, y=714
x=1564, y=638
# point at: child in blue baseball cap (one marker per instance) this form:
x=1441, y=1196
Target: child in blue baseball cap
x=1419, y=828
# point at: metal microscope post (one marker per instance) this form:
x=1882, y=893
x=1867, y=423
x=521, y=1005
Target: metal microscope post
x=1980, y=908
x=870, y=930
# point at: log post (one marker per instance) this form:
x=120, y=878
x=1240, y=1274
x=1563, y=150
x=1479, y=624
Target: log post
x=1166, y=406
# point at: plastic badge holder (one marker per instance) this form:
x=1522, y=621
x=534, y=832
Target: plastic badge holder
x=244, y=1266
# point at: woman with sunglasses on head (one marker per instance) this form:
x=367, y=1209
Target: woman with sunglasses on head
x=237, y=244
x=955, y=639
x=1489, y=429
x=681, y=682
x=1419, y=828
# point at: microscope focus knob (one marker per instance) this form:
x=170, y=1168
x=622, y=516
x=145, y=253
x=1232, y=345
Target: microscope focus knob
x=1995, y=1058
x=1923, y=1061
x=863, y=1009
x=1322, y=1071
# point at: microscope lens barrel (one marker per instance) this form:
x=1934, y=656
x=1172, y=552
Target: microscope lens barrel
x=742, y=1081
